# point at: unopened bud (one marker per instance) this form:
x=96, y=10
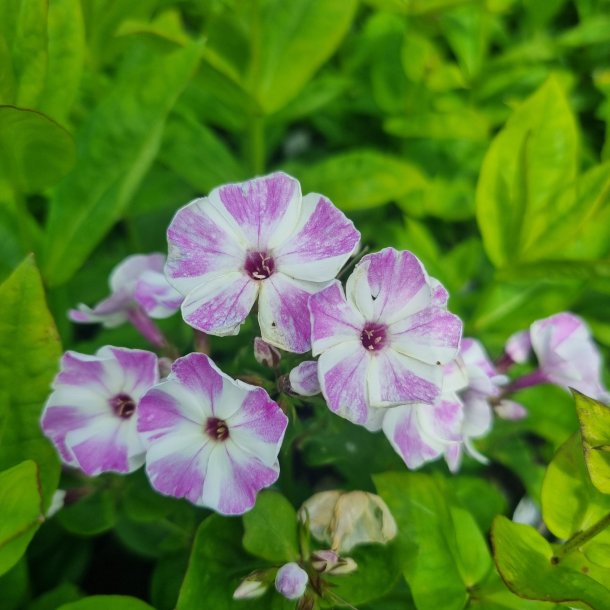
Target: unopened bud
x=304, y=379
x=266, y=354
x=347, y=519
x=330, y=563
x=291, y=580
x=253, y=586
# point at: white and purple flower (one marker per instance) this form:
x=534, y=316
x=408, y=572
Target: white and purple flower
x=566, y=354
x=257, y=239
x=385, y=343
x=91, y=416
x=139, y=291
x=210, y=439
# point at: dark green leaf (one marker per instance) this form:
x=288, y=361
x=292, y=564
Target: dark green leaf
x=106, y=602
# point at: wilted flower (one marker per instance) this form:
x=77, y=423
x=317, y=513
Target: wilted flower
x=210, y=439
x=257, y=239
x=91, y=415
x=329, y=562
x=139, y=291
x=291, y=580
x=304, y=379
x=566, y=353
x=383, y=345
x=346, y=519
x=266, y=354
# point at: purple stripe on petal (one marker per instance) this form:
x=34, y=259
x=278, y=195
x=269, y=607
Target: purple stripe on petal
x=198, y=373
x=333, y=319
x=401, y=427
x=82, y=370
x=282, y=312
x=396, y=285
x=220, y=306
x=139, y=367
x=431, y=335
x=443, y=420
x=265, y=209
x=343, y=372
x=102, y=452
x=397, y=379
x=323, y=240
x=201, y=246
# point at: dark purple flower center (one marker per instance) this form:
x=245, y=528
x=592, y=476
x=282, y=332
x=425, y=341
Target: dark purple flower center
x=373, y=336
x=259, y=265
x=217, y=429
x=123, y=405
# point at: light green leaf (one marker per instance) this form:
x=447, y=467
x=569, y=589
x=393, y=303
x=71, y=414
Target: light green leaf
x=527, y=167
x=117, y=144
x=361, y=179
x=570, y=503
x=463, y=124
x=290, y=41
x=594, y=418
x=29, y=357
x=447, y=561
x=20, y=511
x=66, y=34
x=593, y=30
x=23, y=27
x=271, y=528
x=194, y=152
x=107, y=602
x=525, y=561
x=35, y=152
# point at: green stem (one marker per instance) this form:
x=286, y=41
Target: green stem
x=579, y=539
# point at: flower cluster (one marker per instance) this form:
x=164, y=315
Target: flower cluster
x=387, y=353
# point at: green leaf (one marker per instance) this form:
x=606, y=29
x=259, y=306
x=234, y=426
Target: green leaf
x=271, y=528
x=105, y=602
x=35, y=152
x=194, y=152
x=570, y=503
x=90, y=515
x=361, y=179
x=15, y=586
x=525, y=562
x=23, y=26
x=29, y=357
x=452, y=555
x=217, y=565
x=116, y=145
x=289, y=42
x=67, y=50
x=20, y=511
x=51, y=600
x=594, y=418
x=527, y=167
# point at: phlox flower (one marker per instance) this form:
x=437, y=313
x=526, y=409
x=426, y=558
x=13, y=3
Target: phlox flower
x=383, y=342
x=566, y=354
x=139, y=291
x=91, y=416
x=257, y=240
x=209, y=438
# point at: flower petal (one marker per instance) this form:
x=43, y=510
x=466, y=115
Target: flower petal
x=322, y=241
x=333, y=319
x=157, y=297
x=138, y=368
x=264, y=210
x=220, y=306
x=282, y=312
x=125, y=275
x=389, y=285
x=304, y=379
x=202, y=246
x=431, y=335
x=342, y=372
x=258, y=426
x=395, y=379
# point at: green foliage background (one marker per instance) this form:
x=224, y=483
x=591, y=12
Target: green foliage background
x=472, y=132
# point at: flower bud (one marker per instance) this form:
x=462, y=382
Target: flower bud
x=266, y=354
x=253, y=586
x=347, y=519
x=291, y=580
x=330, y=563
x=304, y=379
